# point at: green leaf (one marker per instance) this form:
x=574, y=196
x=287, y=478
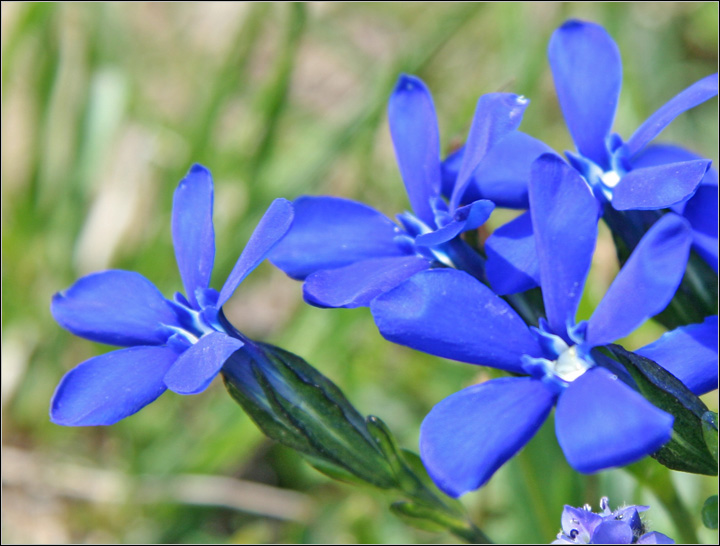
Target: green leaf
x=687, y=450
x=710, y=512
x=710, y=433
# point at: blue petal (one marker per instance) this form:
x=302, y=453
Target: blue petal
x=564, y=216
x=272, y=226
x=660, y=186
x=110, y=387
x=702, y=213
x=450, y=167
x=601, y=423
x=661, y=154
x=690, y=353
x=646, y=283
x=587, y=70
x=330, y=232
x=613, y=532
x=466, y=218
x=448, y=313
x=469, y=435
x=512, y=263
x=199, y=365
x=496, y=115
x=583, y=521
x=114, y=307
x=694, y=95
x=357, y=284
x=414, y=131
x=655, y=538
x=503, y=174
x=192, y=230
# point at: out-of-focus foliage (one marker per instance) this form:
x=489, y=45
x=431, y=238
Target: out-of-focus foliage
x=104, y=108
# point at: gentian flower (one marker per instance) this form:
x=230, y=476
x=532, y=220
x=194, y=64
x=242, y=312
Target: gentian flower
x=624, y=176
x=176, y=344
x=600, y=421
x=348, y=253
x=623, y=526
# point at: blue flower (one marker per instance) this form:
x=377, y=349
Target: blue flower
x=624, y=176
x=600, y=421
x=175, y=344
x=623, y=526
x=348, y=253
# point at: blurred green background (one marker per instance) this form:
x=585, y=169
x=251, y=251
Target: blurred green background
x=104, y=108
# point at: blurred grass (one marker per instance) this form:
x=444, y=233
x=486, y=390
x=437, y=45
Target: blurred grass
x=104, y=108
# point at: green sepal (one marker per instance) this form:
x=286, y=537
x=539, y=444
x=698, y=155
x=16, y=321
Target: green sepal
x=710, y=433
x=687, y=451
x=710, y=512
x=299, y=407
x=270, y=423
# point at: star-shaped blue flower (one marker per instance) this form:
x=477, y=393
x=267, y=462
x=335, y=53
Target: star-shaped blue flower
x=622, y=526
x=624, y=176
x=175, y=344
x=600, y=421
x=348, y=253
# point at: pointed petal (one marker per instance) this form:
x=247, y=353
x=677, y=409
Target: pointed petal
x=496, y=115
x=694, y=95
x=114, y=307
x=613, y=532
x=601, y=423
x=192, y=230
x=110, y=387
x=660, y=186
x=512, y=264
x=198, y=366
x=469, y=435
x=690, y=353
x=357, y=284
x=414, y=131
x=272, y=226
x=662, y=154
x=646, y=283
x=466, y=218
x=564, y=216
x=587, y=70
x=448, y=313
x=330, y=232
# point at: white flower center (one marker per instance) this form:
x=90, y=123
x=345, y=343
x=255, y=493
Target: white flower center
x=569, y=366
x=610, y=179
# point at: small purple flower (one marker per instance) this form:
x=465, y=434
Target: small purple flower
x=175, y=344
x=600, y=421
x=623, y=526
x=623, y=176
x=347, y=253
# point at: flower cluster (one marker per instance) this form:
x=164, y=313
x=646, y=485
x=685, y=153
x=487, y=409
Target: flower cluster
x=622, y=526
x=429, y=289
